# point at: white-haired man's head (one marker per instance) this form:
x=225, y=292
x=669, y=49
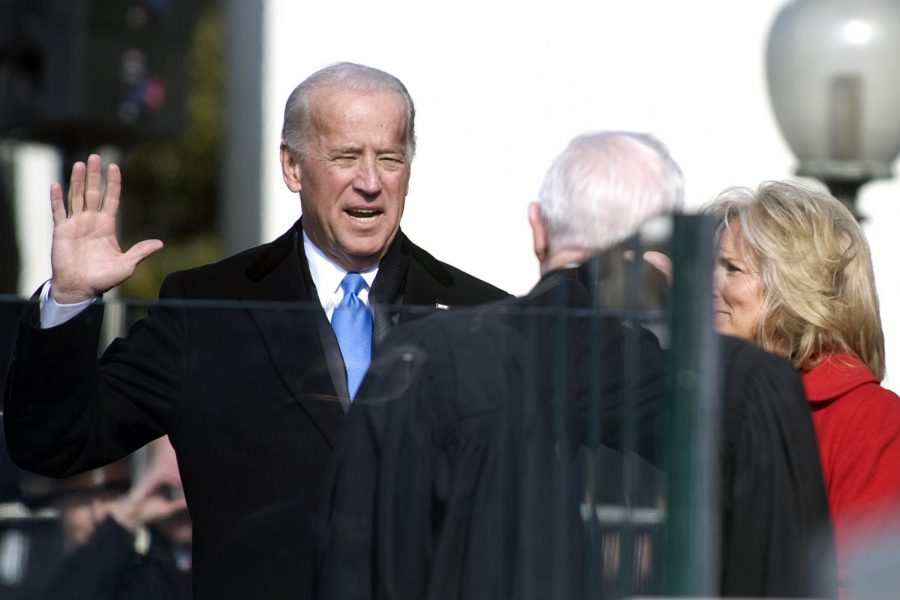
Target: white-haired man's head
x=599, y=192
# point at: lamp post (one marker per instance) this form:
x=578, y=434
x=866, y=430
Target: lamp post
x=833, y=70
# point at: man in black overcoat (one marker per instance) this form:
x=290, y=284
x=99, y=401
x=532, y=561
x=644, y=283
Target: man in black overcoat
x=238, y=363
x=460, y=473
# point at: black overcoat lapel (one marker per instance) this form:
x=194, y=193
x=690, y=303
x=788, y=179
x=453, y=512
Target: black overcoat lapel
x=285, y=307
x=387, y=291
x=427, y=286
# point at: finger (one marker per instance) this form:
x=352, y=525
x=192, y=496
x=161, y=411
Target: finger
x=76, y=188
x=176, y=505
x=113, y=190
x=172, y=507
x=57, y=205
x=94, y=182
x=143, y=488
x=142, y=250
x=158, y=509
x=660, y=262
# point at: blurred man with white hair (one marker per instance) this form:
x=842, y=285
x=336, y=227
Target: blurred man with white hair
x=463, y=471
x=601, y=189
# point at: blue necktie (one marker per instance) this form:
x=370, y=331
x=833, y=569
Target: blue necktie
x=352, y=324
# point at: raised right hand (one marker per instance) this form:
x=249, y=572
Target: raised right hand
x=660, y=262
x=85, y=257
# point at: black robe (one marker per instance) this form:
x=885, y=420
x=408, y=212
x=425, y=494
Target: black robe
x=461, y=473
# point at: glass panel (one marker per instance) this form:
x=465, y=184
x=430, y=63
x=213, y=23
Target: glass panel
x=564, y=445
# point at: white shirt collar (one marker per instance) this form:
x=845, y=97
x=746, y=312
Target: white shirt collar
x=327, y=275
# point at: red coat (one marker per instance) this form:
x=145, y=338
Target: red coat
x=858, y=429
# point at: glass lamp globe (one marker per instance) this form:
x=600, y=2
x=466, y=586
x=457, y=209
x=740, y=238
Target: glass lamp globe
x=833, y=71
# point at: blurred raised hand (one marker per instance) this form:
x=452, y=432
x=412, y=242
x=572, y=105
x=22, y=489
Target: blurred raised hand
x=151, y=498
x=660, y=262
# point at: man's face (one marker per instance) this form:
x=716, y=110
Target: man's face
x=354, y=175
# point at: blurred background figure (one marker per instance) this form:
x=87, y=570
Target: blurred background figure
x=794, y=275
x=81, y=502
x=44, y=521
x=125, y=542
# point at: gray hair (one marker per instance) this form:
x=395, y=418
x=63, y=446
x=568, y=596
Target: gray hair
x=347, y=76
x=605, y=185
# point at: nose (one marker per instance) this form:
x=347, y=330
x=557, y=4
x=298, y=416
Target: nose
x=368, y=179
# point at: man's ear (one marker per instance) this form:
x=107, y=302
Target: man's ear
x=290, y=168
x=538, y=231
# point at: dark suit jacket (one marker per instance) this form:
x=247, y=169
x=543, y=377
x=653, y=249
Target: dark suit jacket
x=458, y=474
x=238, y=364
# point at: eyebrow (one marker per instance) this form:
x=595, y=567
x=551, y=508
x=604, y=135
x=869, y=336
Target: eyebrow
x=345, y=150
x=747, y=265
x=736, y=257
x=401, y=150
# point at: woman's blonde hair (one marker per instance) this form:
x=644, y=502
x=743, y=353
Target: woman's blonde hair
x=816, y=267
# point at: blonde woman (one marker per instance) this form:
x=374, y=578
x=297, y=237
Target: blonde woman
x=794, y=275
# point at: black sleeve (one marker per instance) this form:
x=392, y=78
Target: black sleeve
x=66, y=411
x=777, y=534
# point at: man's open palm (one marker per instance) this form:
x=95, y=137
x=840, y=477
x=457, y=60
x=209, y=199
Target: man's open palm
x=86, y=258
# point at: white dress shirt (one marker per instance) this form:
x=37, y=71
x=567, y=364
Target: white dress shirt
x=327, y=276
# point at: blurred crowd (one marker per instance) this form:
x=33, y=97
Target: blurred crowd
x=117, y=531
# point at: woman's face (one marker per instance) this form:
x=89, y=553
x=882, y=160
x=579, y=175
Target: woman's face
x=737, y=287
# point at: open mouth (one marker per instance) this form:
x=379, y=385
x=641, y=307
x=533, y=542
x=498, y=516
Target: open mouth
x=363, y=215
